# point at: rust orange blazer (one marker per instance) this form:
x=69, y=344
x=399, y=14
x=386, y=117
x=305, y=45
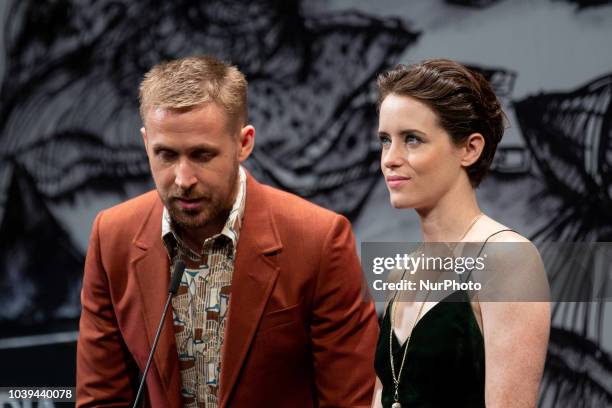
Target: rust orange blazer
x=300, y=332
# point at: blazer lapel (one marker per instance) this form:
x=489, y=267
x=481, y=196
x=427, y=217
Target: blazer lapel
x=151, y=268
x=253, y=280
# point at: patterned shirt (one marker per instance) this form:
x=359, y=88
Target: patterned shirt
x=200, y=306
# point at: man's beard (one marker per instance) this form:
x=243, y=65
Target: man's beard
x=193, y=219
x=214, y=209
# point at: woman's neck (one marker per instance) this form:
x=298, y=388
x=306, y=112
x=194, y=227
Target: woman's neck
x=449, y=218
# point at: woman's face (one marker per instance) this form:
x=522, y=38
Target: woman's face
x=419, y=161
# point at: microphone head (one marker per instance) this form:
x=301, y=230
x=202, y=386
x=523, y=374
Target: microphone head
x=177, y=275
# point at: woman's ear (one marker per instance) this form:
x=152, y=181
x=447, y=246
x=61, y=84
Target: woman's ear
x=472, y=149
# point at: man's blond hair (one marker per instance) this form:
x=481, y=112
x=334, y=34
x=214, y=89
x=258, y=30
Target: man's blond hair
x=189, y=82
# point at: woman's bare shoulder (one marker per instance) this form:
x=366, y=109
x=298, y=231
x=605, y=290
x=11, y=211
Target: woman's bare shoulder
x=494, y=231
x=505, y=245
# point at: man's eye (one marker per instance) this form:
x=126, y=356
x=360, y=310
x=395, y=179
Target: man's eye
x=166, y=155
x=202, y=156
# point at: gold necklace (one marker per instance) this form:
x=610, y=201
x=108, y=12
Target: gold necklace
x=396, y=378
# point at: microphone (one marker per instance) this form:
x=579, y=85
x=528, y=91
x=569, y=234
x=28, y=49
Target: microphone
x=175, y=281
x=177, y=274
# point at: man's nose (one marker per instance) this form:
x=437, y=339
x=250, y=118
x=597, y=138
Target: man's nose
x=184, y=177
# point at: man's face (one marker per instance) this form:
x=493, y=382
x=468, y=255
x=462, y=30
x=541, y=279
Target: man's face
x=194, y=157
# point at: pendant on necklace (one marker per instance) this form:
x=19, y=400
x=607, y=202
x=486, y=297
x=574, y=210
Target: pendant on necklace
x=396, y=405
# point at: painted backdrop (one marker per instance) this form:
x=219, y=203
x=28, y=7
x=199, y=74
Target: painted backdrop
x=69, y=141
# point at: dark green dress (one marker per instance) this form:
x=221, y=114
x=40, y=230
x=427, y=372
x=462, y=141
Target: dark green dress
x=445, y=363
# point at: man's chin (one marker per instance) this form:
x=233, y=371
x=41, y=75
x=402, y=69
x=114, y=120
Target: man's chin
x=196, y=218
x=188, y=220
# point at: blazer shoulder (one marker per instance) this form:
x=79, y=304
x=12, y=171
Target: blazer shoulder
x=130, y=214
x=292, y=210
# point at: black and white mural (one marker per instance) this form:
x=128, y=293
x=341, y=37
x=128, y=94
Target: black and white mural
x=70, y=146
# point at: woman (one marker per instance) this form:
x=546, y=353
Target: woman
x=439, y=127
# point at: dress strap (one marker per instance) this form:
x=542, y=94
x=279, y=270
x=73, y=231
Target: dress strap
x=495, y=233
x=469, y=274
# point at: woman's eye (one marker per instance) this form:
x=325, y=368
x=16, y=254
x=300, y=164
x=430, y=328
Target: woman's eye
x=412, y=139
x=384, y=140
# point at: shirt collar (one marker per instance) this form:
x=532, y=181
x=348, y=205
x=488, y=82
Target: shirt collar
x=231, y=229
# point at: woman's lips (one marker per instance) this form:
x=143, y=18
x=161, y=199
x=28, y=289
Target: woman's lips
x=396, y=181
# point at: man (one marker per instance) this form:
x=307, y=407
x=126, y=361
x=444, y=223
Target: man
x=270, y=311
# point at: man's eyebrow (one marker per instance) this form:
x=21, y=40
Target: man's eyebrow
x=200, y=146
x=160, y=146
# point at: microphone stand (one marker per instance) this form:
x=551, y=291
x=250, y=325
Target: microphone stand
x=177, y=274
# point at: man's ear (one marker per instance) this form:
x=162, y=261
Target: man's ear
x=247, y=142
x=472, y=149
x=143, y=132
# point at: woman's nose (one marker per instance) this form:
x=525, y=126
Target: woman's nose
x=392, y=157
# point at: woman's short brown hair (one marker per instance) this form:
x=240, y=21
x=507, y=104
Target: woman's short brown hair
x=462, y=99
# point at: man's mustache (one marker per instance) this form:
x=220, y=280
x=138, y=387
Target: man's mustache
x=188, y=195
